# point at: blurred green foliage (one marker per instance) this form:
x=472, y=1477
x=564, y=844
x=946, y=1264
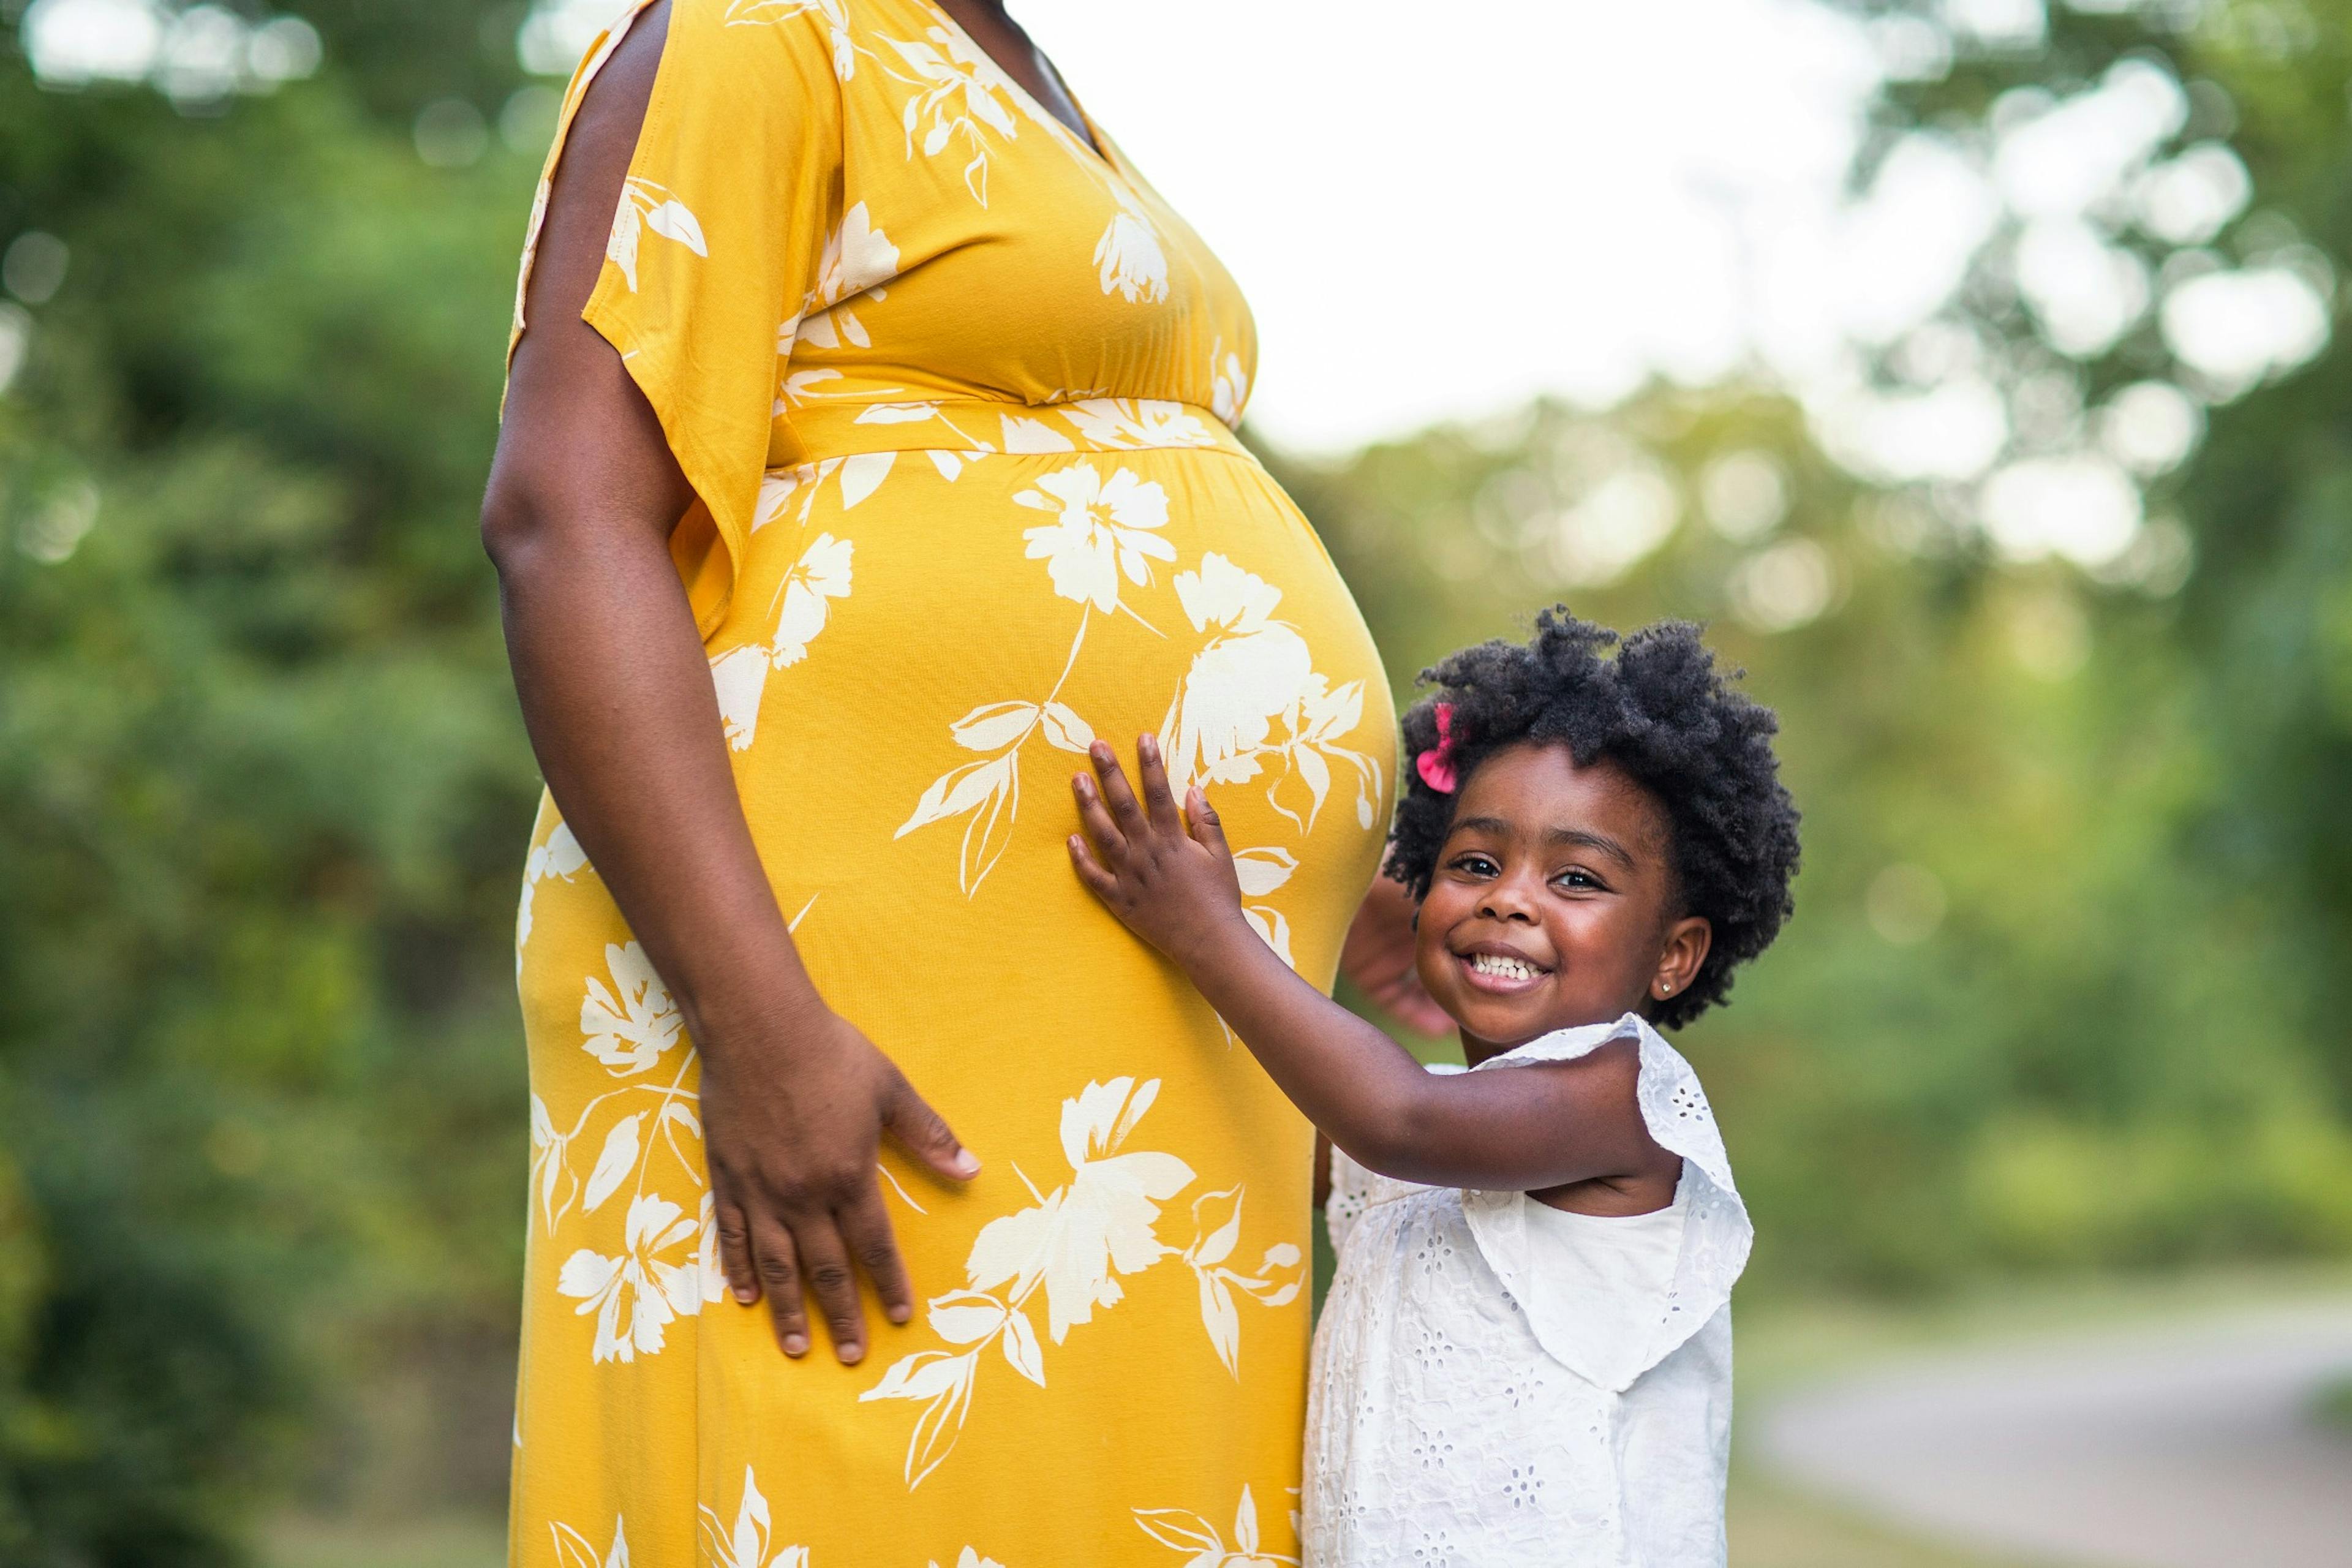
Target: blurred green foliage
x=2064, y=988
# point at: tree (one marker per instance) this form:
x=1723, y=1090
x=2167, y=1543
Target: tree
x=2222, y=228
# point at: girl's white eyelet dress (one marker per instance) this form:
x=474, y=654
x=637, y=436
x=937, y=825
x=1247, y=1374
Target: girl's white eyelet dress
x=1498, y=1383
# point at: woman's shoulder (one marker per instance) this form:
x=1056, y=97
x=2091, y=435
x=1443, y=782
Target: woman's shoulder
x=766, y=49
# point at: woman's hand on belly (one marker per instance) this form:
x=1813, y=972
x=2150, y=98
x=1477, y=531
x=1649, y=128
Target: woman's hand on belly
x=793, y=1105
x=616, y=692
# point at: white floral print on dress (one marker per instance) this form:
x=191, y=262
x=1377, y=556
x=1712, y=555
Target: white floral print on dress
x=1107, y=527
x=631, y=1023
x=560, y=859
x=859, y=259
x=573, y=1551
x=958, y=93
x=746, y=1545
x=1217, y=1220
x=751, y=12
x=646, y=205
x=1257, y=669
x=1184, y=1531
x=1125, y=422
x=636, y=1295
x=1253, y=668
x=1131, y=263
x=1074, y=1244
x=801, y=606
x=1229, y=385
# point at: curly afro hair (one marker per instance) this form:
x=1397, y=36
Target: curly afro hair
x=1661, y=712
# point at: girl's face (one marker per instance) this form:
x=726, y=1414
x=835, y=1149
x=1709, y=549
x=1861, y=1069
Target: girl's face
x=1554, y=901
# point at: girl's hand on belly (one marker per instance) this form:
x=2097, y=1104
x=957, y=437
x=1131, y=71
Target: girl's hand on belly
x=1167, y=874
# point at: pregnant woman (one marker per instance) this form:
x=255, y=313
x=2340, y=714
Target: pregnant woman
x=867, y=452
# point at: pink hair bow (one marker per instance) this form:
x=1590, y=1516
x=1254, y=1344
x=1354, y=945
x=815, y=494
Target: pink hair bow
x=1435, y=765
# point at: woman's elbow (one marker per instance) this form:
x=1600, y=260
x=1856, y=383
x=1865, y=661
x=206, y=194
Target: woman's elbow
x=524, y=510
x=512, y=518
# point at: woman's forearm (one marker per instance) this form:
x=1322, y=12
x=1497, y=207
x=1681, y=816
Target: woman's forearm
x=616, y=694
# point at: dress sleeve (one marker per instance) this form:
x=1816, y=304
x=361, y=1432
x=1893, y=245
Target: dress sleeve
x=715, y=247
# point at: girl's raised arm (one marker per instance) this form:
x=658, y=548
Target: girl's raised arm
x=1168, y=875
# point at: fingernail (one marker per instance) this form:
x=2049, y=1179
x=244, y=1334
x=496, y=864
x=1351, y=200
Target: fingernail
x=795, y=1344
x=900, y=1314
x=852, y=1354
x=745, y=1294
x=1150, y=746
x=966, y=1164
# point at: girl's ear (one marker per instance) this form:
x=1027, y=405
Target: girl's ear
x=1680, y=956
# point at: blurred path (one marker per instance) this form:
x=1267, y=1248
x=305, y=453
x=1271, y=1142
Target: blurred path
x=2188, y=1445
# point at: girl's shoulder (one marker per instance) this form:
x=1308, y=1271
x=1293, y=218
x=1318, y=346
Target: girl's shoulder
x=1673, y=1104
x=1717, y=1235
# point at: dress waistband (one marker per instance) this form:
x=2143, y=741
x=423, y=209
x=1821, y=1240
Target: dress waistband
x=978, y=426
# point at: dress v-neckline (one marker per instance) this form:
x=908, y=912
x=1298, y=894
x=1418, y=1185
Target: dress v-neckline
x=1093, y=142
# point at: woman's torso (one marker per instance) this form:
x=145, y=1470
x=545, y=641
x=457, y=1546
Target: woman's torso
x=1002, y=514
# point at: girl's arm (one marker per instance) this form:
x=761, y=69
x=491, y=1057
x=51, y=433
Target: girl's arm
x=1174, y=884
x=616, y=691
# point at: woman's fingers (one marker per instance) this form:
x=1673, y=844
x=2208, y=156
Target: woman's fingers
x=866, y=1229
x=734, y=1244
x=777, y=1262
x=1158, y=802
x=927, y=1135
x=1116, y=794
x=825, y=1264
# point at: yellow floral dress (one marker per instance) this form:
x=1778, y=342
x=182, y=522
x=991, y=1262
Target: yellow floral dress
x=956, y=392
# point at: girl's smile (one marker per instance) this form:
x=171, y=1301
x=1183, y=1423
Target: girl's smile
x=1496, y=967
x=1554, y=902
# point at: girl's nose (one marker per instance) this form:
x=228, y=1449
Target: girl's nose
x=1505, y=899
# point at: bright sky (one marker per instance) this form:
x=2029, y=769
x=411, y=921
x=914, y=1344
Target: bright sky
x=1440, y=214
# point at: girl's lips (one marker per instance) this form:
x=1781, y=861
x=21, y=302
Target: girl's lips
x=1494, y=980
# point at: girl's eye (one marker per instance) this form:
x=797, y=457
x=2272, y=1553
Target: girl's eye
x=1580, y=882
x=1475, y=865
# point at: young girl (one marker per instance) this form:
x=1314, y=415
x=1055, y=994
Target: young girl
x=1526, y=1356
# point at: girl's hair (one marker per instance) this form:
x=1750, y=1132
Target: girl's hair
x=1661, y=712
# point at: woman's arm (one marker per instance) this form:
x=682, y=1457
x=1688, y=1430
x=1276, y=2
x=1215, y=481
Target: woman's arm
x=616, y=694
x=1378, y=957
x=1524, y=1130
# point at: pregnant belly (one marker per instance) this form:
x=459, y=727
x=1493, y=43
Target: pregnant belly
x=911, y=675
x=914, y=662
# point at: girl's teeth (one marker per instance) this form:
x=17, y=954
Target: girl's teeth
x=1505, y=968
